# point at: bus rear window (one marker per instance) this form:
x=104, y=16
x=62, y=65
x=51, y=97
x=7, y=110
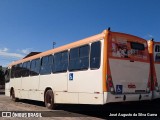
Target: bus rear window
x=157, y=57
x=137, y=46
x=157, y=48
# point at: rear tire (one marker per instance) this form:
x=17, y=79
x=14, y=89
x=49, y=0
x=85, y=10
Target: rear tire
x=13, y=96
x=49, y=99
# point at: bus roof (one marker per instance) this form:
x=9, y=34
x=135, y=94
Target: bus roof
x=72, y=45
x=62, y=48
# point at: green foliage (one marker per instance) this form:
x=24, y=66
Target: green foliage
x=1, y=77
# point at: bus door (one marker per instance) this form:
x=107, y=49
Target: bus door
x=129, y=64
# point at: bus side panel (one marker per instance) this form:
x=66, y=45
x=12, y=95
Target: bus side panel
x=25, y=87
x=88, y=83
x=89, y=86
x=58, y=83
x=16, y=84
x=7, y=89
x=89, y=98
x=66, y=97
x=33, y=88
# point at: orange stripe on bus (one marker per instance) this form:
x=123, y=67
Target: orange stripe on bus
x=105, y=54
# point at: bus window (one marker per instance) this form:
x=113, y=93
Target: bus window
x=57, y=63
x=18, y=70
x=137, y=46
x=157, y=48
x=64, y=61
x=26, y=69
x=46, y=63
x=7, y=75
x=157, y=58
x=50, y=59
x=79, y=58
x=60, y=62
x=95, y=55
x=35, y=66
x=13, y=71
x=138, y=51
x=15, y=74
x=84, y=57
x=73, y=59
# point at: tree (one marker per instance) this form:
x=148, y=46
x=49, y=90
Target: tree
x=2, y=82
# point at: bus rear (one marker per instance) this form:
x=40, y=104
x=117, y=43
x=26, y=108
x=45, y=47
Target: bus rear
x=128, y=68
x=154, y=51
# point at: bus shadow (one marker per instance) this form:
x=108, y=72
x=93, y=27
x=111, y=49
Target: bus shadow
x=32, y=102
x=101, y=111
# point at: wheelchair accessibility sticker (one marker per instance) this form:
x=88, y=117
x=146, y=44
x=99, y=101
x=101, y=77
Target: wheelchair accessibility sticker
x=70, y=76
x=119, y=89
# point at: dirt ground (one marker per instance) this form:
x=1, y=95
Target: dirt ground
x=24, y=109
x=28, y=107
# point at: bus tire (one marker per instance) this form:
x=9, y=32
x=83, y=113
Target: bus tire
x=49, y=99
x=13, y=96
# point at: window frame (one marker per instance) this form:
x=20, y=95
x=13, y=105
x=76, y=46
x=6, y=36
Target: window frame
x=133, y=44
x=25, y=69
x=61, y=61
x=78, y=58
x=100, y=51
x=35, y=67
x=46, y=67
x=7, y=75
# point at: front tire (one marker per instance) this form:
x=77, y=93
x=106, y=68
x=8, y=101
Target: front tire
x=49, y=99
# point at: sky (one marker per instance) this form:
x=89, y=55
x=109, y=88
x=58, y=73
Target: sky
x=33, y=25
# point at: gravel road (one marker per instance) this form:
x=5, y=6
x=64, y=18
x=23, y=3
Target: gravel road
x=23, y=106
x=76, y=112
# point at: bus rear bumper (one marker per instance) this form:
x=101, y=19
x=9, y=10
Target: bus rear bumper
x=108, y=97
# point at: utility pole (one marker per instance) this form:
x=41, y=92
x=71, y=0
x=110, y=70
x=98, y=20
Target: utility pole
x=54, y=43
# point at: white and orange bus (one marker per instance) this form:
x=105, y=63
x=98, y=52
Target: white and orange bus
x=108, y=67
x=154, y=51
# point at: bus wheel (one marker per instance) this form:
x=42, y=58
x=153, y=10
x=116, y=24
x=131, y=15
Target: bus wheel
x=13, y=96
x=49, y=99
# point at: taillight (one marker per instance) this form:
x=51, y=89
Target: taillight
x=110, y=84
x=109, y=78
